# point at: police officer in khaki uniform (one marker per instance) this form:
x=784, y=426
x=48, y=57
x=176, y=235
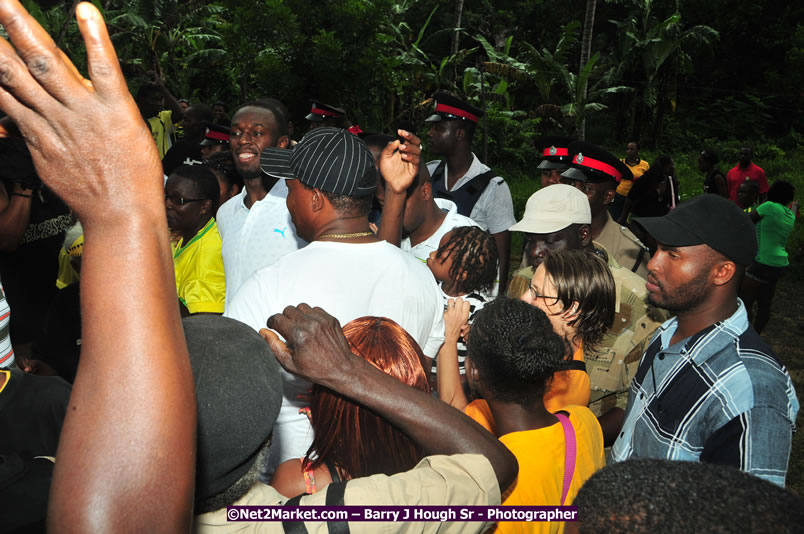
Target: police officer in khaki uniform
x=595, y=173
x=613, y=364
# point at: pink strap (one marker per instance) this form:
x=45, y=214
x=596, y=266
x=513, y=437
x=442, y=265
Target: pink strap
x=569, y=454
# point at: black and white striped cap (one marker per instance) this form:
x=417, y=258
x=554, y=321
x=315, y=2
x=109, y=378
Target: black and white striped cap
x=329, y=159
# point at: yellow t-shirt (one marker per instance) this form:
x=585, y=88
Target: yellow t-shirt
x=540, y=454
x=200, y=283
x=479, y=411
x=162, y=130
x=567, y=388
x=637, y=170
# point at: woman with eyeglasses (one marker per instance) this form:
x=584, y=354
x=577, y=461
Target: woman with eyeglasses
x=191, y=197
x=576, y=290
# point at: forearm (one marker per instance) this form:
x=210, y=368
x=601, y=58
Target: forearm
x=142, y=359
x=450, y=389
x=392, y=211
x=503, y=241
x=172, y=104
x=432, y=424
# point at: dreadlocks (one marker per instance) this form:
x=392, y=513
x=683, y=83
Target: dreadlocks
x=474, y=252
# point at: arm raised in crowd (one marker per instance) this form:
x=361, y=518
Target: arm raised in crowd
x=317, y=350
x=126, y=458
x=399, y=166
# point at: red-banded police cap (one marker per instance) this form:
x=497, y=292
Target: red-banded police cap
x=592, y=164
x=448, y=107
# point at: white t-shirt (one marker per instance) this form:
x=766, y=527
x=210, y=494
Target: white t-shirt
x=494, y=210
x=348, y=281
x=254, y=238
x=452, y=220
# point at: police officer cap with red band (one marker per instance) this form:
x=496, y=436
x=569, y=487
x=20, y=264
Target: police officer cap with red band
x=592, y=164
x=320, y=112
x=215, y=134
x=555, y=152
x=448, y=108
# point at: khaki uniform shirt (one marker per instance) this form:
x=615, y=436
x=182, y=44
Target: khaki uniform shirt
x=621, y=243
x=612, y=366
x=458, y=480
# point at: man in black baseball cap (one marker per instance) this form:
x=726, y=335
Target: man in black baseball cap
x=461, y=177
x=331, y=178
x=556, y=158
x=708, y=388
x=596, y=172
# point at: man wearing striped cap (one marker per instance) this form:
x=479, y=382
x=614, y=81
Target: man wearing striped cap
x=331, y=178
x=461, y=177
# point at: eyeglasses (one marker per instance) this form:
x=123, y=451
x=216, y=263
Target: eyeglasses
x=535, y=294
x=179, y=200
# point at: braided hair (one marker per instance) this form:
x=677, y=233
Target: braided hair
x=473, y=252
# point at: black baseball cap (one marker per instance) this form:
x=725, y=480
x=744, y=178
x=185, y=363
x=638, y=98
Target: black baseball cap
x=592, y=164
x=329, y=159
x=706, y=220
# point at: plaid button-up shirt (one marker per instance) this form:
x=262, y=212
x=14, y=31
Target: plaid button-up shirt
x=719, y=396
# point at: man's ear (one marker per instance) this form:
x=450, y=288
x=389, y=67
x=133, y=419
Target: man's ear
x=723, y=272
x=427, y=191
x=460, y=134
x=317, y=200
x=584, y=235
x=206, y=207
x=608, y=198
x=283, y=142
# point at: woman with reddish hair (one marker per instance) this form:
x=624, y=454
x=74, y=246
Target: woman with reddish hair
x=350, y=441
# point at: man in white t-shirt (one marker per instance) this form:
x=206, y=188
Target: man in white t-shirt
x=346, y=269
x=255, y=225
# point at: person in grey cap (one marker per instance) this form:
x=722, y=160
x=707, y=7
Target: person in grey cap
x=331, y=179
x=708, y=388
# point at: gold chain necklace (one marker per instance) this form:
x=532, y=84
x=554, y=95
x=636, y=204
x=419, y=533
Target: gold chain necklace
x=347, y=236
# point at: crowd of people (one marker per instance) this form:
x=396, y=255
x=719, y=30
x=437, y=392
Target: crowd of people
x=245, y=316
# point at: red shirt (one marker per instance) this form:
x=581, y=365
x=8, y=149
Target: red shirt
x=738, y=175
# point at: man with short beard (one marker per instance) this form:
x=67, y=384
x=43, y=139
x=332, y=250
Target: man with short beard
x=708, y=388
x=255, y=225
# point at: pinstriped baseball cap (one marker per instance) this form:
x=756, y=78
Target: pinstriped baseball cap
x=329, y=159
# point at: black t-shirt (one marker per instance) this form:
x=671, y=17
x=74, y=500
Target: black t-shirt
x=32, y=410
x=29, y=273
x=24, y=487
